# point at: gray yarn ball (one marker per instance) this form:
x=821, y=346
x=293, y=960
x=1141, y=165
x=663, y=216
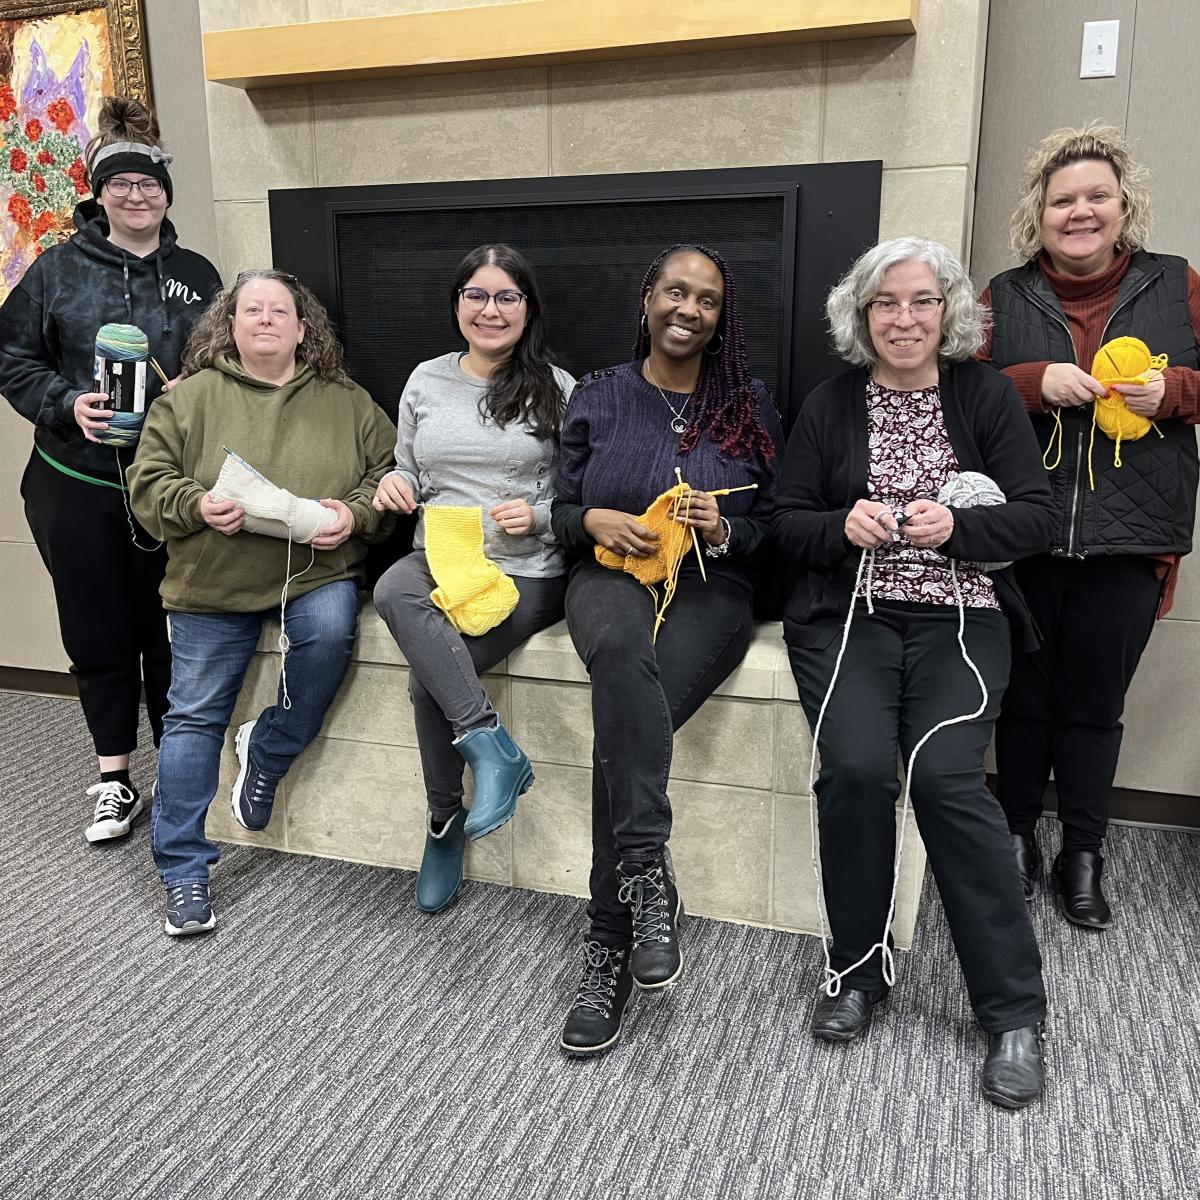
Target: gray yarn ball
x=968, y=489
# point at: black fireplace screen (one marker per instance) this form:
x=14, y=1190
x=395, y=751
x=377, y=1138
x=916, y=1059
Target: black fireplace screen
x=382, y=258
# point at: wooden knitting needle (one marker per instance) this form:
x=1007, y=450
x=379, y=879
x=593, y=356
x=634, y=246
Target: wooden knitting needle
x=686, y=511
x=749, y=487
x=159, y=371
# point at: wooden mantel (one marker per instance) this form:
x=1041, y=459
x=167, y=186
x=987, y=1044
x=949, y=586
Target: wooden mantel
x=532, y=33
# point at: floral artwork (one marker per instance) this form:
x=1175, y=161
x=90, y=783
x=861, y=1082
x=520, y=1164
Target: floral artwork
x=57, y=62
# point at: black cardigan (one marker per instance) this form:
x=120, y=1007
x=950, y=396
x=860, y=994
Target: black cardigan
x=825, y=471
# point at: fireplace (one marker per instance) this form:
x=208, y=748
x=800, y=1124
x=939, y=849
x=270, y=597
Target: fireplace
x=381, y=258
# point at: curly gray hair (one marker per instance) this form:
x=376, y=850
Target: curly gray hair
x=964, y=319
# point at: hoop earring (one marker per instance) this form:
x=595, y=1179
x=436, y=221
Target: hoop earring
x=644, y=326
x=714, y=353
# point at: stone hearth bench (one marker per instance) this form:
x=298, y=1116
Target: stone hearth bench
x=738, y=784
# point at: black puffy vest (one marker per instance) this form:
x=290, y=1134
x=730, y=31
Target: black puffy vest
x=1148, y=504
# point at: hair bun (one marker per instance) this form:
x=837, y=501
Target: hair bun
x=123, y=119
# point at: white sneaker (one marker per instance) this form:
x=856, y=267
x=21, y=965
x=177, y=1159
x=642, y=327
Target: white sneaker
x=116, y=808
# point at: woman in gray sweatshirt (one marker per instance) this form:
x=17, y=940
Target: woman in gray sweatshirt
x=475, y=429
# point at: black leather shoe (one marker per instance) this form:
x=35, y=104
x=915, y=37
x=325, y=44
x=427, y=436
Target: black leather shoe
x=1014, y=1072
x=843, y=1017
x=1076, y=883
x=656, y=960
x=594, y=1023
x=1029, y=862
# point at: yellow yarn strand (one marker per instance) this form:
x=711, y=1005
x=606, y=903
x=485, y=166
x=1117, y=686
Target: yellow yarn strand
x=471, y=590
x=1056, y=434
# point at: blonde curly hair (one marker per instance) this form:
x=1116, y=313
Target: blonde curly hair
x=212, y=335
x=1097, y=142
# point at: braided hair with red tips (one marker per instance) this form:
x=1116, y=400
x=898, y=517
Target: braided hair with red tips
x=724, y=402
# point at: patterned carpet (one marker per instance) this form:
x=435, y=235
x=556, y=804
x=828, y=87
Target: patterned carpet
x=331, y=1041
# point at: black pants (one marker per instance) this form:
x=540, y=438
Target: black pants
x=642, y=691
x=902, y=674
x=110, y=615
x=1064, y=704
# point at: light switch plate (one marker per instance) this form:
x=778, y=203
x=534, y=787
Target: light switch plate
x=1099, y=57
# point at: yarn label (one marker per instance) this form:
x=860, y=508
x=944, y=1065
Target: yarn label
x=124, y=383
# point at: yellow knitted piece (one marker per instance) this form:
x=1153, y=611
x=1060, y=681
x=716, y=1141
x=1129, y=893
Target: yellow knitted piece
x=471, y=590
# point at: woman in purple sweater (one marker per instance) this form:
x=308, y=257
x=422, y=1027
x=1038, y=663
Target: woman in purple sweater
x=686, y=401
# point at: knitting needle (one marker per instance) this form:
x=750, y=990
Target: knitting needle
x=159, y=371
x=749, y=487
x=686, y=511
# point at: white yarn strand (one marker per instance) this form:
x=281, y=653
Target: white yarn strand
x=129, y=512
x=284, y=642
x=832, y=982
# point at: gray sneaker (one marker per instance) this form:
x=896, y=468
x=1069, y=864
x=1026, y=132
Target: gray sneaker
x=189, y=909
x=253, y=792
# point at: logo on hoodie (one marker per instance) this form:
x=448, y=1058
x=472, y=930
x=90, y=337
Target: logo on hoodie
x=177, y=289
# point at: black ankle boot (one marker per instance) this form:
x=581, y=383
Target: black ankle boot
x=1014, y=1072
x=649, y=889
x=843, y=1017
x=594, y=1023
x=1029, y=862
x=1076, y=882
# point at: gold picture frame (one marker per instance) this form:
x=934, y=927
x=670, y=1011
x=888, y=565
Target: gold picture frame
x=58, y=59
x=126, y=31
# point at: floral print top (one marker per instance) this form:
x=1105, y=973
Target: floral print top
x=910, y=459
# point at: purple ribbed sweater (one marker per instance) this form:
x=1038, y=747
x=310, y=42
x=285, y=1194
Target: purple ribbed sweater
x=619, y=451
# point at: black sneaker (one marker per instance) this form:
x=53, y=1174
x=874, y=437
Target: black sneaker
x=656, y=960
x=253, y=793
x=189, y=909
x=116, y=808
x=596, y=1018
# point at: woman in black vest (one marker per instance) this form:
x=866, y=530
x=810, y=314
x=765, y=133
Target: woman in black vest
x=1124, y=513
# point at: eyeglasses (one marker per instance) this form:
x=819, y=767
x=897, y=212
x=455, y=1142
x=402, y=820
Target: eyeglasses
x=476, y=299
x=922, y=308
x=150, y=188
x=245, y=276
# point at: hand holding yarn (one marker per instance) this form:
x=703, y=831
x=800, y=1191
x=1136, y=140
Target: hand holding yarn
x=1067, y=386
x=222, y=515
x=332, y=536
x=619, y=532
x=869, y=524
x=90, y=414
x=1145, y=399
x=929, y=524
x=393, y=495
x=515, y=517
x=702, y=512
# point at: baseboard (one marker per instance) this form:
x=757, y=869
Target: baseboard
x=38, y=683
x=1162, y=810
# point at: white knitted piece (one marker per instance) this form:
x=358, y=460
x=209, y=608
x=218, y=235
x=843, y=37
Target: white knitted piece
x=269, y=509
x=968, y=489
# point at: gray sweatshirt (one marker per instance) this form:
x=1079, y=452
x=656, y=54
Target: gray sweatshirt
x=449, y=455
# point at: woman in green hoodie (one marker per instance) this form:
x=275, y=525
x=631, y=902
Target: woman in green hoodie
x=264, y=377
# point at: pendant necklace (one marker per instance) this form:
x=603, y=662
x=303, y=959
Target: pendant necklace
x=679, y=424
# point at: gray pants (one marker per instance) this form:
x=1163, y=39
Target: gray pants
x=447, y=697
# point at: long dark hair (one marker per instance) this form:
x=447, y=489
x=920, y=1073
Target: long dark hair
x=724, y=402
x=524, y=388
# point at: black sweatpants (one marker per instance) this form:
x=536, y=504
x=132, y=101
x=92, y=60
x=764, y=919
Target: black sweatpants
x=1064, y=703
x=902, y=673
x=110, y=615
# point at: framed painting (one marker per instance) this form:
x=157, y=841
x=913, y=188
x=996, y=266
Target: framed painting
x=58, y=58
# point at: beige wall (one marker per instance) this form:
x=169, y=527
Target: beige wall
x=1032, y=86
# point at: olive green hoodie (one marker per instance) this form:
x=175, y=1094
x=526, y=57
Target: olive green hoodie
x=314, y=438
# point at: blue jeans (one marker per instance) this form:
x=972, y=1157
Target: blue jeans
x=209, y=656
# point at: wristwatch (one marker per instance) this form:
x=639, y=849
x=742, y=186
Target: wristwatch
x=721, y=550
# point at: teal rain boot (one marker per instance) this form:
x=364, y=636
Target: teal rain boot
x=441, y=875
x=502, y=773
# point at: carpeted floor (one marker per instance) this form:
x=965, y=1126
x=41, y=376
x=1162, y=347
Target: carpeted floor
x=330, y=1041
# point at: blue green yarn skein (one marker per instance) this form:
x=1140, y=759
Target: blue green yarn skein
x=122, y=343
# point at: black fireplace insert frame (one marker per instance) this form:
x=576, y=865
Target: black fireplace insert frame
x=830, y=215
